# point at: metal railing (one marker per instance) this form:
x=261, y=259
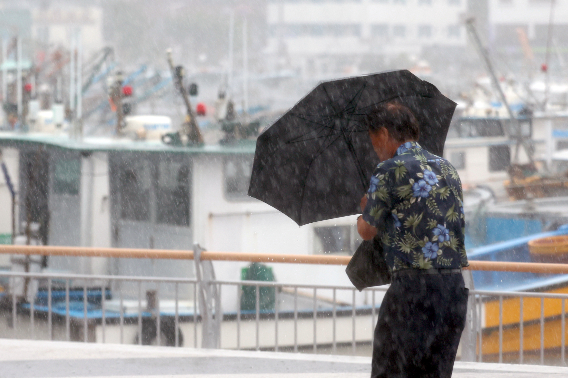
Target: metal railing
x=536, y=319
x=516, y=327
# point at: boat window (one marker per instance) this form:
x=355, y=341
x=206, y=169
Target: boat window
x=482, y=127
x=336, y=240
x=135, y=182
x=67, y=176
x=457, y=159
x=173, y=194
x=499, y=158
x=237, y=177
x=560, y=167
x=454, y=130
x=562, y=145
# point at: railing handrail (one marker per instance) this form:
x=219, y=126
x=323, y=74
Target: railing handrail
x=165, y=280
x=494, y=266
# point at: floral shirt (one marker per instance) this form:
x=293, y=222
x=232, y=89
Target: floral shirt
x=415, y=201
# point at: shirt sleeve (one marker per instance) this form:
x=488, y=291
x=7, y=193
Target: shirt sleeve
x=379, y=200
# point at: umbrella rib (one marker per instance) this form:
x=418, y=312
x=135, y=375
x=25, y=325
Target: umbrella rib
x=330, y=99
x=303, y=118
x=387, y=100
x=357, y=164
x=357, y=96
x=314, y=138
x=321, y=126
x=309, y=169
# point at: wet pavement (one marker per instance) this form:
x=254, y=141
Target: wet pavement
x=24, y=358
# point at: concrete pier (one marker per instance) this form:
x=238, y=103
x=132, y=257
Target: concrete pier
x=42, y=359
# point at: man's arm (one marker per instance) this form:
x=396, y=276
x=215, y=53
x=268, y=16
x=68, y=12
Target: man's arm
x=376, y=204
x=365, y=230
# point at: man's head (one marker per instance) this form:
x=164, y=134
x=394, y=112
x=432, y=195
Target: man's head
x=390, y=125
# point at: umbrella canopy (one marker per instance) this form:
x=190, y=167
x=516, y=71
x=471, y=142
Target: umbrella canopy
x=315, y=162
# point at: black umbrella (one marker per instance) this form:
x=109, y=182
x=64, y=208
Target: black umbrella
x=315, y=162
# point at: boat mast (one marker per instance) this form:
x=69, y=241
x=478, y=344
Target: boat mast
x=190, y=127
x=547, y=59
x=515, y=129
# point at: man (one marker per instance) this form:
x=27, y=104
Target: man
x=11, y=111
x=414, y=205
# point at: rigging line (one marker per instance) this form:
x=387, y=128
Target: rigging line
x=511, y=71
x=547, y=58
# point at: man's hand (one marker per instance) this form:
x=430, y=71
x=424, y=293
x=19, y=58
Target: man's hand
x=365, y=230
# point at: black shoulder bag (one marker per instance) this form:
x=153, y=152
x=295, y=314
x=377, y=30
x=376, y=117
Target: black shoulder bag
x=368, y=267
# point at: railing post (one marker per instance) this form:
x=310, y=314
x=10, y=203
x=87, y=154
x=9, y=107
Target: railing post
x=209, y=301
x=468, y=340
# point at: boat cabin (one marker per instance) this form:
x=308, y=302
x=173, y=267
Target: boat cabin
x=109, y=192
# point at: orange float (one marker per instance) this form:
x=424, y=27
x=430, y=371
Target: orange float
x=553, y=249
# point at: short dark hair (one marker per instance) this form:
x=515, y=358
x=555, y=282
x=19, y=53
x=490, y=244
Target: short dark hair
x=396, y=118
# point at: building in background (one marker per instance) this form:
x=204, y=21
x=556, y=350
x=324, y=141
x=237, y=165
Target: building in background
x=53, y=24
x=322, y=37
x=508, y=17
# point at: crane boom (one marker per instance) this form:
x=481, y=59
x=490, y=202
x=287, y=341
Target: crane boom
x=190, y=127
x=515, y=130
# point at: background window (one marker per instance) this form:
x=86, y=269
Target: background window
x=67, y=176
x=562, y=145
x=380, y=30
x=457, y=159
x=483, y=127
x=172, y=194
x=399, y=31
x=135, y=182
x=499, y=158
x=454, y=31
x=425, y=31
x=237, y=177
x=336, y=239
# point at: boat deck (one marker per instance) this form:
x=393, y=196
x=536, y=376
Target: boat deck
x=25, y=358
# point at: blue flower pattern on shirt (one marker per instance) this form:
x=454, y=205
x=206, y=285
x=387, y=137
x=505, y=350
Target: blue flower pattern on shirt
x=430, y=250
x=430, y=177
x=397, y=223
x=421, y=189
x=442, y=233
x=374, y=183
x=415, y=200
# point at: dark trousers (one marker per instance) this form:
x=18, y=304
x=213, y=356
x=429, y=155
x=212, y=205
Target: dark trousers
x=419, y=328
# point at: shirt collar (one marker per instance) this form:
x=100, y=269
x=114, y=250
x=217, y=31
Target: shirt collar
x=407, y=146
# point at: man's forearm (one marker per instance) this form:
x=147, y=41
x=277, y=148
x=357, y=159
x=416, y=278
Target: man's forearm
x=366, y=231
